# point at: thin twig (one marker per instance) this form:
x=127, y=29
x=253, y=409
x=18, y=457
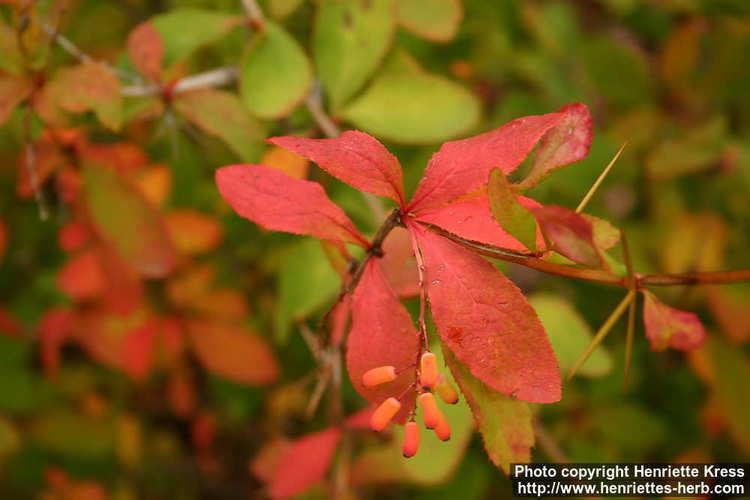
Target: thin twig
x=218, y=77
x=599, y=180
x=71, y=48
x=602, y=333
x=254, y=12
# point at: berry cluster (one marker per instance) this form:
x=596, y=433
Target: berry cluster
x=430, y=380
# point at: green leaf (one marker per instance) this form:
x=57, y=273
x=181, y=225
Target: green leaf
x=185, y=30
x=435, y=20
x=515, y=219
x=569, y=335
x=279, y=9
x=123, y=218
x=503, y=422
x=221, y=114
x=67, y=433
x=350, y=40
x=415, y=108
x=732, y=371
x=275, y=74
x=305, y=283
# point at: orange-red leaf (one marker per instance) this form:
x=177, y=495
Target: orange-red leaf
x=303, y=463
x=485, y=320
x=54, y=329
x=13, y=91
x=74, y=235
x=460, y=167
x=146, y=50
x=193, y=232
x=123, y=218
x=90, y=86
x=233, y=352
x=82, y=277
x=399, y=265
x=670, y=327
x=355, y=158
x=275, y=201
x=3, y=238
x=382, y=333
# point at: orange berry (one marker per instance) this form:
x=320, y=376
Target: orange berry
x=443, y=429
x=384, y=413
x=379, y=375
x=446, y=391
x=411, y=439
x=430, y=411
x=428, y=370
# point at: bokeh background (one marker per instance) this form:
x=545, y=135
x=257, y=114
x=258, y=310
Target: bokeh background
x=186, y=389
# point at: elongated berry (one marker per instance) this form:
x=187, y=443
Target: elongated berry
x=411, y=439
x=379, y=375
x=443, y=429
x=430, y=411
x=428, y=370
x=446, y=391
x=384, y=413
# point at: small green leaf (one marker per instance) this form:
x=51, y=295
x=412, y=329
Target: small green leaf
x=275, y=74
x=221, y=114
x=415, y=108
x=435, y=20
x=123, y=218
x=569, y=335
x=305, y=269
x=506, y=209
x=503, y=422
x=350, y=41
x=279, y=9
x=185, y=30
x=732, y=372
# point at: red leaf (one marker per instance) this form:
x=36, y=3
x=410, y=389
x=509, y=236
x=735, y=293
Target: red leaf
x=460, y=167
x=54, y=329
x=146, y=50
x=82, y=277
x=354, y=158
x=472, y=219
x=483, y=318
x=233, y=352
x=124, y=288
x=304, y=463
x=382, y=333
x=9, y=325
x=13, y=90
x=275, y=201
x=670, y=327
x=74, y=235
x=570, y=234
x=3, y=238
x=138, y=349
x=569, y=141
x=399, y=265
